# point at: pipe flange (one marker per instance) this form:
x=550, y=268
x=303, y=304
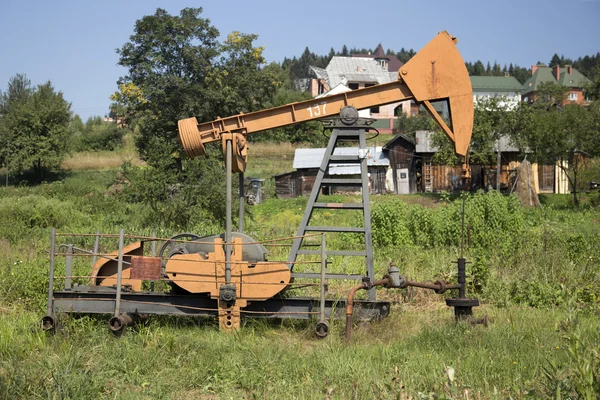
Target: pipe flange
x=227, y=293
x=322, y=329
x=442, y=287
x=48, y=323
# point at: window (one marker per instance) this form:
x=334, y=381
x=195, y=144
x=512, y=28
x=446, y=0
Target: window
x=353, y=86
x=573, y=96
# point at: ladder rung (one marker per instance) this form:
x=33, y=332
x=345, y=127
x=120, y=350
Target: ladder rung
x=316, y=275
x=334, y=253
x=345, y=159
x=350, y=206
x=333, y=229
x=349, y=182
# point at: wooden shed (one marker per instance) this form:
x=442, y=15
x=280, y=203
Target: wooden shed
x=308, y=161
x=401, y=153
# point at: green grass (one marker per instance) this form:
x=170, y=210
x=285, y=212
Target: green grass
x=186, y=358
x=529, y=292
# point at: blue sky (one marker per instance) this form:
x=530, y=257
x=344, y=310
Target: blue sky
x=72, y=43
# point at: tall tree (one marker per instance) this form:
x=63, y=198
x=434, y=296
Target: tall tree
x=563, y=136
x=35, y=132
x=555, y=61
x=177, y=68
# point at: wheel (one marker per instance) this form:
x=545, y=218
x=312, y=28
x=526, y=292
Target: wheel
x=169, y=246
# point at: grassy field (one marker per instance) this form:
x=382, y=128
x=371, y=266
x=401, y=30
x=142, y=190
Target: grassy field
x=536, y=272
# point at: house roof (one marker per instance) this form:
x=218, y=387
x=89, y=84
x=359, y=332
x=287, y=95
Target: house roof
x=544, y=74
x=312, y=158
x=353, y=69
x=397, y=137
x=393, y=63
x=495, y=84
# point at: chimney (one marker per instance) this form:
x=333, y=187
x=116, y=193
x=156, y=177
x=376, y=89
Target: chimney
x=569, y=69
x=556, y=72
x=533, y=69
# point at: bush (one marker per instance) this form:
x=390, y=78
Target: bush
x=496, y=221
x=22, y=216
x=97, y=135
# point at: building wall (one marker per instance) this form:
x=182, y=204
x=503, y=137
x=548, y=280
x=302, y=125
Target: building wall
x=575, y=96
x=300, y=183
x=512, y=98
x=401, y=155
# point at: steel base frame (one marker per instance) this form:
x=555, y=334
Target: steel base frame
x=93, y=301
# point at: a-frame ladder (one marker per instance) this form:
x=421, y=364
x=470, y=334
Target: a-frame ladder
x=341, y=132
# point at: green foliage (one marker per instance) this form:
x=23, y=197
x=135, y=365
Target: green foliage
x=410, y=124
x=22, y=215
x=396, y=223
x=563, y=135
x=96, y=134
x=174, y=204
x=33, y=127
x=306, y=132
x=407, y=354
x=177, y=68
x=579, y=375
x=549, y=93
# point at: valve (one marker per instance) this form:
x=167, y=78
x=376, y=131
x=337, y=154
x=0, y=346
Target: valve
x=395, y=280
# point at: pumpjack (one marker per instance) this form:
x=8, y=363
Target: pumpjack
x=230, y=275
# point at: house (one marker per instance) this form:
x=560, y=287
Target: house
x=308, y=161
x=425, y=175
x=387, y=62
x=351, y=73
x=486, y=87
x=567, y=76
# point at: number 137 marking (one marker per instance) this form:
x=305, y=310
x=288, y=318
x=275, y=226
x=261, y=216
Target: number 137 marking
x=315, y=109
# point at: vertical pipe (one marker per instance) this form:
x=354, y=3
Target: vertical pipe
x=51, y=273
x=462, y=228
x=119, y=275
x=242, y=203
x=228, y=162
x=462, y=277
x=323, y=268
x=96, y=248
x=498, y=166
x=364, y=173
x=153, y=254
x=68, y=267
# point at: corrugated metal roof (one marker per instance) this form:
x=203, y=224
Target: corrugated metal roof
x=495, y=84
x=312, y=158
x=356, y=68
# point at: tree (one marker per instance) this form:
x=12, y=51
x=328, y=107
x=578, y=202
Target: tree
x=35, y=130
x=478, y=68
x=493, y=119
x=549, y=93
x=592, y=91
x=177, y=68
x=563, y=136
x=554, y=61
x=96, y=134
x=420, y=122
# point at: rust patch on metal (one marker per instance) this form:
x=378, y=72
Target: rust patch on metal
x=146, y=268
